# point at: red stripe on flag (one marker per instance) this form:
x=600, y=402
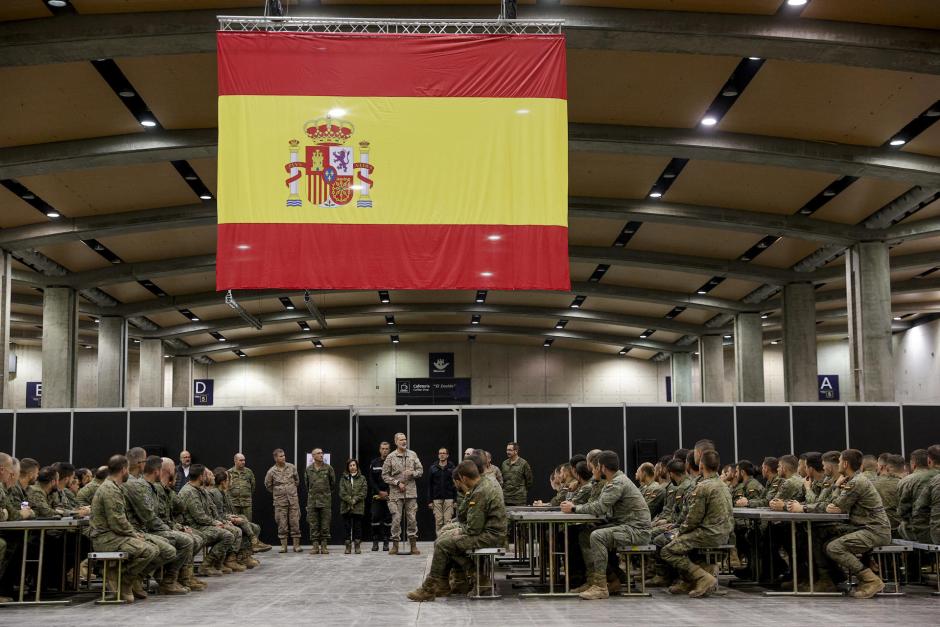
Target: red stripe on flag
x=306, y=64
x=397, y=256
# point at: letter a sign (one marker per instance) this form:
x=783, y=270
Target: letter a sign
x=828, y=387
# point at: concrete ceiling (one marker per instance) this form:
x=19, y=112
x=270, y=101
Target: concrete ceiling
x=836, y=81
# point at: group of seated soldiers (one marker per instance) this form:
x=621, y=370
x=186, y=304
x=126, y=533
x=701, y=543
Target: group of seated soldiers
x=133, y=507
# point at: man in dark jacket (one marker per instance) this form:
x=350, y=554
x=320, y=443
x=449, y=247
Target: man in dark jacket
x=182, y=471
x=441, y=490
x=381, y=517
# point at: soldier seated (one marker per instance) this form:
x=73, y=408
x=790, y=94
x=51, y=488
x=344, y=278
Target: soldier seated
x=485, y=526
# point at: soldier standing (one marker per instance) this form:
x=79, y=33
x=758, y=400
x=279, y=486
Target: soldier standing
x=381, y=517
x=282, y=480
x=517, y=477
x=241, y=489
x=400, y=470
x=111, y=531
x=321, y=480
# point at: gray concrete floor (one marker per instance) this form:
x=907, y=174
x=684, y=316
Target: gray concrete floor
x=369, y=589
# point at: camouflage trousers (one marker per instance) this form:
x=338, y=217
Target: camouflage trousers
x=217, y=539
x=676, y=552
x=140, y=553
x=450, y=550
x=242, y=510
x=845, y=549
x=408, y=508
x=287, y=516
x=598, y=542
x=247, y=534
x=183, y=544
x=237, y=537
x=166, y=551
x=443, y=512
x=319, y=520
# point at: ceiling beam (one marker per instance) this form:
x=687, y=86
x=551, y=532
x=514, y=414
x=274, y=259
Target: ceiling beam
x=841, y=159
x=437, y=329
x=83, y=37
x=686, y=263
x=300, y=315
x=700, y=216
x=65, y=230
x=122, y=273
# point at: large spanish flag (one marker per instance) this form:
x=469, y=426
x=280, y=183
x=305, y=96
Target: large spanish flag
x=366, y=161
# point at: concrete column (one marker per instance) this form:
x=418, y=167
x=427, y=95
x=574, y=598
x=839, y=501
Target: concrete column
x=151, y=373
x=112, y=361
x=712, y=368
x=182, y=381
x=59, y=336
x=799, y=342
x=6, y=288
x=749, y=358
x=868, y=292
x=682, y=378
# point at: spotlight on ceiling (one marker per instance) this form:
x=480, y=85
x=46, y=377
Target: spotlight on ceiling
x=243, y=314
x=797, y=3
x=897, y=142
x=709, y=121
x=53, y=214
x=656, y=194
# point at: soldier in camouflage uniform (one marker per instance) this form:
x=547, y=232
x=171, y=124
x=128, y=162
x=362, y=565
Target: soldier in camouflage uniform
x=226, y=513
x=158, y=523
x=87, y=492
x=653, y=493
x=628, y=523
x=867, y=527
x=241, y=489
x=281, y=481
x=140, y=514
x=199, y=513
x=321, y=482
x=240, y=542
x=169, y=508
x=111, y=531
x=9, y=511
x=773, y=480
x=38, y=494
x=485, y=526
x=934, y=490
x=915, y=519
x=886, y=484
x=399, y=471
x=707, y=524
x=517, y=477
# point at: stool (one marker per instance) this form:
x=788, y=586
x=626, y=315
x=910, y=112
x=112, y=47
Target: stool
x=628, y=553
x=484, y=561
x=717, y=555
x=935, y=549
x=883, y=554
x=109, y=559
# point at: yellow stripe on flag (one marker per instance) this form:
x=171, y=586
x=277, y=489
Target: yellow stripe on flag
x=434, y=160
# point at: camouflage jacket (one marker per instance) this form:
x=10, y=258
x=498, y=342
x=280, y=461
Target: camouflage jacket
x=352, y=494
x=241, y=486
x=320, y=484
x=934, y=488
x=791, y=489
x=140, y=506
x=39, y=502
x=485, y=512
x=396, y=464
x=621, y=502
x=108, y=511
x=87, y=493
x=887, y=487
x=517, y=481
x=163, y=505
x=919, y=527
x=655, y=494
x=859, y=499
x=750, y=489
x=198, y=510
x=709, y=510
x=770, y=493
x=909, y=491
x=282, y=480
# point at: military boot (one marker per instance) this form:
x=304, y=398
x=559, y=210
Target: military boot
x=680, y=587
x=257, y=546
x=375, y=545
x=297, y=547
x=231, y=562
x=127, y=590
x=702, y=582
x=315, y=549
x=414, y=546
x=598, y=589
x=385, y=546
x=348, y=549
x=431, y=588
x=208, y=567
x=734, y=560
x=613, y=583
x=323, y=548
x=869, y=584
x=357, y=547
x=394, y=549
x=283, y=546
x=188, y=579
x=461, y=583
x=137, y=587
x=588, y=582
x=824, y=583
x=246, y=560
x=219, y=563
x=169, y=585
x=659, y=581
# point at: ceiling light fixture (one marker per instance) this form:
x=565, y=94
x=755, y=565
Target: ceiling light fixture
x=701, y=292
x=205, y=196
x=656, y=195
x=753, y=58
x=897, y=142
x=126, y=93
x=58, y=4
x=797, y=3
x=53, y=214
x=709, y=121
x=395, y=339
x=148, y=123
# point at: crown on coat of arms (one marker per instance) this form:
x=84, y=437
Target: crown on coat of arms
x=328, y=130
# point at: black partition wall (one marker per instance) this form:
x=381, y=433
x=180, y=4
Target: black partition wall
x=97, y=435
x=328, y=429
x=488, y=428
x=6, y=430
x=875, y=429
x=160, y=431
x=763, y=431
x=212, y=436
x=597, y=427
x=542, y=434
x=655, y=428
x=712, y=422
x=818, y=428
x=265, y=430
x=428, y=433
x=370, y=430
x=44, y=435
x=921, y=426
